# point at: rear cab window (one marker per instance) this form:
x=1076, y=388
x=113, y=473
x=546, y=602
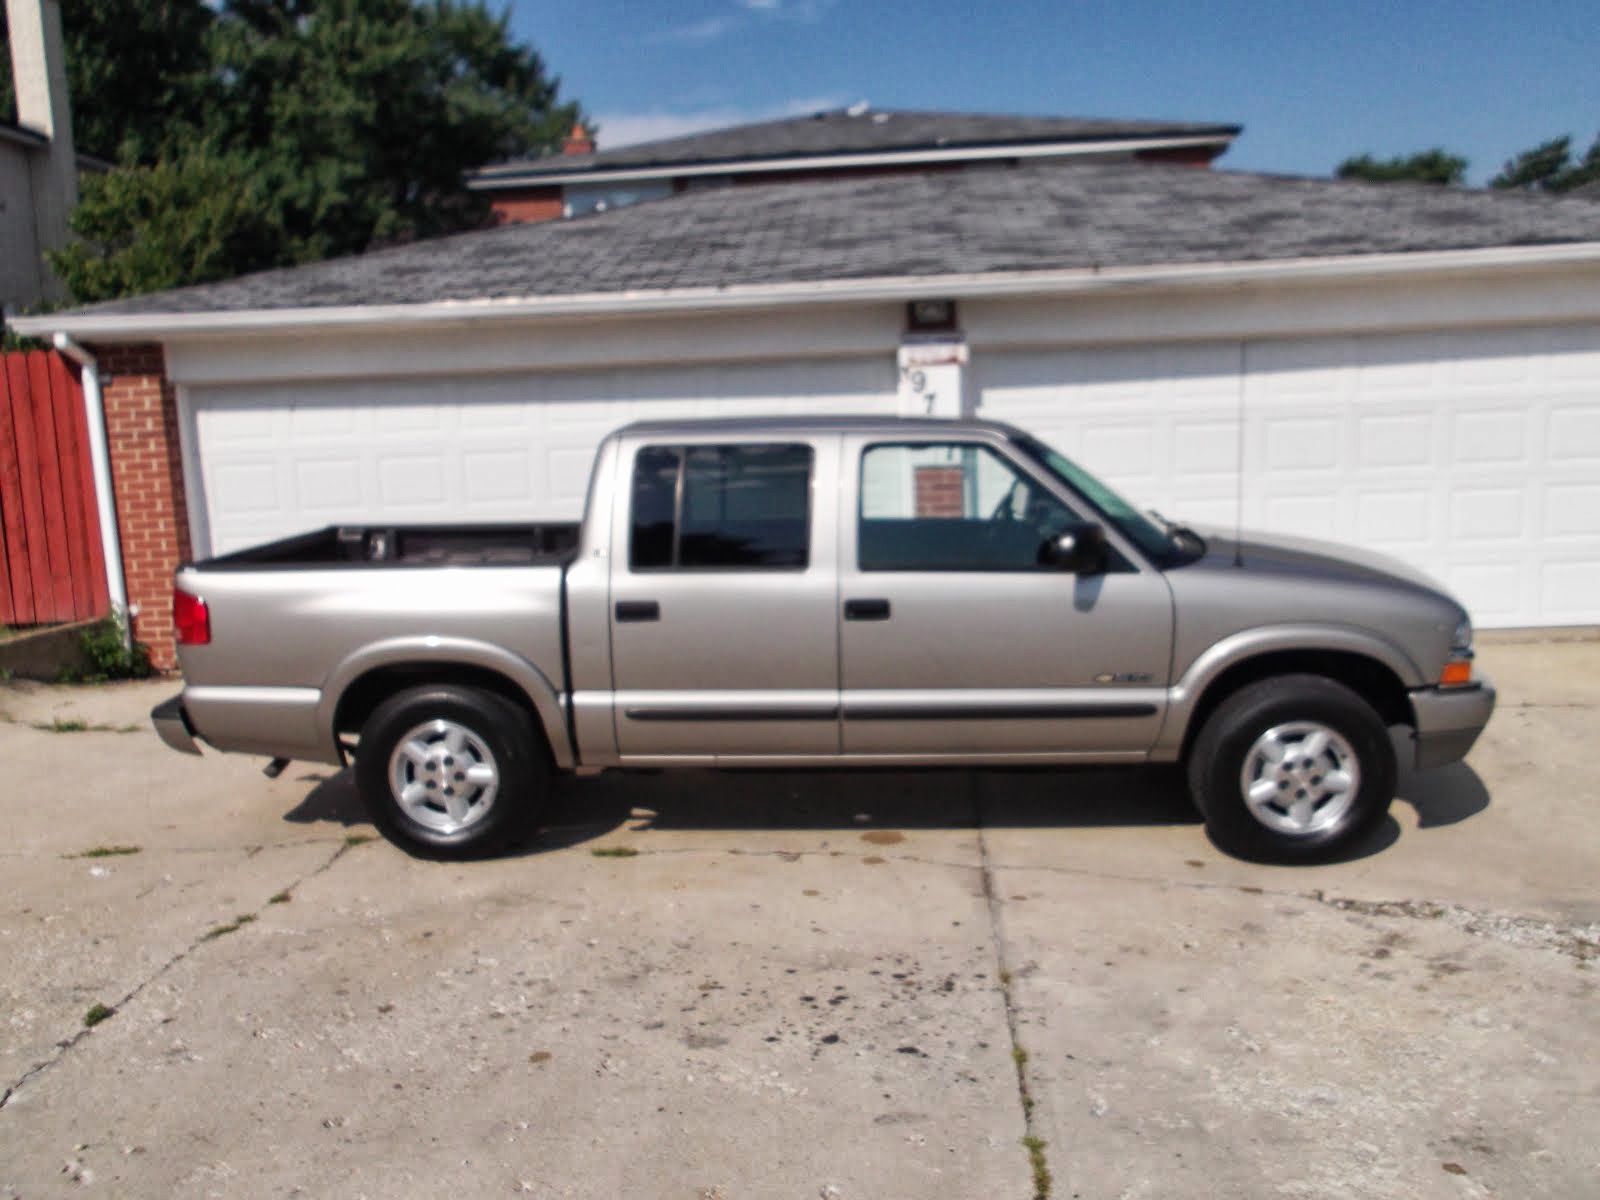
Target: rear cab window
x=744, y=506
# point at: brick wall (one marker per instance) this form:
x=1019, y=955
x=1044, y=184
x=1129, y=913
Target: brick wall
x=940, y=491
x=141, y=408
x=527, y=206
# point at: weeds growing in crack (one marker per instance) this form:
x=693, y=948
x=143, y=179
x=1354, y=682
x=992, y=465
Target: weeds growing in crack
x=105, y=852
x=96, y=1014
x=1041, y=1169
x=614, y=852
x=237, y=923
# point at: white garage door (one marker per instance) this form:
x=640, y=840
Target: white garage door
x=1475, y=456
x=278, y=459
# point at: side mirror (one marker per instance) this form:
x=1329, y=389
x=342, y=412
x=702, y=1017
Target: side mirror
x=1079, y=548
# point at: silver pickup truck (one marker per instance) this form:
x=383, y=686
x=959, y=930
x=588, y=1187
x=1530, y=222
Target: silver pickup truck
x=828, y=592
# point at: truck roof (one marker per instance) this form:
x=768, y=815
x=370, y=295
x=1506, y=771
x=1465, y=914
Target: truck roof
x=854, y=423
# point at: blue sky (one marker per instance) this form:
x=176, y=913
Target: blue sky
x=1311, y=82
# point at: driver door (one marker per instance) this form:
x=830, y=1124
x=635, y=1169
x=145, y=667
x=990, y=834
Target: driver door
x=958, y=640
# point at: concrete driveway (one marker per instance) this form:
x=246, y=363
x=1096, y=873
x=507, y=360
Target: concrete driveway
x=875, y=985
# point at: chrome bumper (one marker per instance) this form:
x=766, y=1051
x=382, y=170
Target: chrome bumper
x=1449, y=721
x=172, y=723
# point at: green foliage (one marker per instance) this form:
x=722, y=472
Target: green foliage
x=289, y=131
x=199, y=218
x=135, y=73
x=1549, y=167
x=1428, y=166
x=108, y=654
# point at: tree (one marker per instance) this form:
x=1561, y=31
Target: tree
x=332, y=126
x=195, y=219
x=133, y=71
x=1429, y=166
x=1549, y=167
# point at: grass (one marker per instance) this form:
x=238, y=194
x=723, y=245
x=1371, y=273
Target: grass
x=279, y=898
x=1019, y=1056
x=77, y=725
x=96, y=1014
x=106, y=852
x=358, y=839
x=1041, y=1170
x=614, y=852
x=232, y=926
x=63, y=725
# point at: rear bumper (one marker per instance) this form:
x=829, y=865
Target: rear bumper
x=172, y=723
x=1449, y=721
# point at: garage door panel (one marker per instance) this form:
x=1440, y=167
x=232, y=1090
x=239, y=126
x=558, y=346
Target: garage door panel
x=275, y=460
x=1474, y=455
x=1574, y=434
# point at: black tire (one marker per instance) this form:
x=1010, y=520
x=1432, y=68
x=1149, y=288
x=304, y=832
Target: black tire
x=466, y=737
x=1301, y=813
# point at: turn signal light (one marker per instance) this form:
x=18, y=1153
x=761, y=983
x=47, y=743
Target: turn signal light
x=1455, y=674
x=190, y=618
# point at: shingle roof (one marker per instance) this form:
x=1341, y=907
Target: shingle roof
x=994, y=219
x=851, y=131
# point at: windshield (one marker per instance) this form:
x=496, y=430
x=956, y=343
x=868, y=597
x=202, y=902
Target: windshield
x=1133, y=524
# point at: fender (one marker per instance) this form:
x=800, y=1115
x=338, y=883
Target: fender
x=446, y=651
x=1270, y=639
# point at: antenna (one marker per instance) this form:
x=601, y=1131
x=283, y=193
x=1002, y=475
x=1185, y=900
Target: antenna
x=1238, y=464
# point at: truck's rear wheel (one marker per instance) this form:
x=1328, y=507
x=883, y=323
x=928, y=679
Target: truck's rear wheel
x=1292, y=769
x=448, y=771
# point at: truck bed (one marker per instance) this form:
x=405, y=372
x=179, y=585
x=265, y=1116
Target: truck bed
x=419, y=545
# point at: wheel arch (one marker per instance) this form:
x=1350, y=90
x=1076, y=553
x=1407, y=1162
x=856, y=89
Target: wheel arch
x=365, y=679
x=1370, y=665
x=1373, y=680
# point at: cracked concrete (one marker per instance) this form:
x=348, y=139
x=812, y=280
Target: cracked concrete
x=800, y=985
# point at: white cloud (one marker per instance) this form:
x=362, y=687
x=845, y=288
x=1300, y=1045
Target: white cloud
x=802, y=12
x=627, y=129
x=701, y=31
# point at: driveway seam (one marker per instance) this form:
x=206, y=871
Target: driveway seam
x=1031, y=1141
x=63, y=1047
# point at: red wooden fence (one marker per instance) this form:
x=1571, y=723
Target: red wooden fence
x=51, y=564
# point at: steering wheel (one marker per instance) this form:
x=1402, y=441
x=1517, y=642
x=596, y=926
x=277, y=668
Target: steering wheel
x=1007, y=505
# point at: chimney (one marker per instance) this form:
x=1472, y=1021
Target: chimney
x=39, y=74
x=578, y=141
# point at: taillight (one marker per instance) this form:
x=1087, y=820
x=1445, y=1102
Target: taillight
x=190, y=618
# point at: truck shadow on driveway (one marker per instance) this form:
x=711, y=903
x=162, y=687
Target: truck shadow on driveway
x=584, y=810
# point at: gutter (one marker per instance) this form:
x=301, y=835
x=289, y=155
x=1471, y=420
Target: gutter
x=105, y=498
x=494, y=178
x=815, y=293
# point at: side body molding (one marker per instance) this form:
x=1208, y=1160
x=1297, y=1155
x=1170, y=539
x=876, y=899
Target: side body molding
x=545, y=696
x=1270, y=639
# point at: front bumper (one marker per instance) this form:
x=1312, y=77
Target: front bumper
x=172, y=723
x=1449, y=721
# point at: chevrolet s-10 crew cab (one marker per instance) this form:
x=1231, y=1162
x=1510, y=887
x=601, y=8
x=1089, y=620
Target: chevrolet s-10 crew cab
x=828, y=592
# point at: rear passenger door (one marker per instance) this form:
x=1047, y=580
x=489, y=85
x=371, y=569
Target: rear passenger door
x=724, y=634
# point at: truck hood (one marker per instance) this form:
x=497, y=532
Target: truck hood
x=1281, y=555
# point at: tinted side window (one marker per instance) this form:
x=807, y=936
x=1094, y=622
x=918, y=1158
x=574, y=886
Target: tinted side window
x=655, y=506
x=721, y=506
x=952, y=507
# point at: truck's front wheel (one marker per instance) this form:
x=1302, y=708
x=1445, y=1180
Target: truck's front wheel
x=1292, y=769
x=450, y=771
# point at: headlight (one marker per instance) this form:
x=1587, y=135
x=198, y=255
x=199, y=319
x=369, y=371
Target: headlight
x=1461, y=639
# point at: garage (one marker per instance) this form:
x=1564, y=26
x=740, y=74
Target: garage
x=1474, y=455
x=1411, y=369
x=276, y=459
